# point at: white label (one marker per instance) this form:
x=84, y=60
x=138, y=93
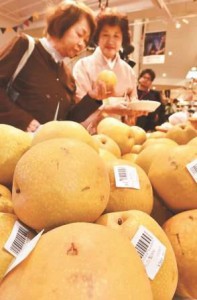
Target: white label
x=126, y=177
x=17, y=239
x=150, y=249
x=27, y=249
x=192, y=168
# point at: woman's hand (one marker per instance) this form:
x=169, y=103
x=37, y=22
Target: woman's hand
x=33, y=126
x=99, y=91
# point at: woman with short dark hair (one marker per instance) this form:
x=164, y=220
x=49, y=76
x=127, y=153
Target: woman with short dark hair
x=112, y=33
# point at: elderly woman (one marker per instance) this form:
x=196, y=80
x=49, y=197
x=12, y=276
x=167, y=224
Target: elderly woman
x=45, y=89
x=111, y=34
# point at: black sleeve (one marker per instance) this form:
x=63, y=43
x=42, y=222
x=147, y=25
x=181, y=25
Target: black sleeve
x=82, y=110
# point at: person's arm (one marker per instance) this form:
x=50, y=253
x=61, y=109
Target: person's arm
x=90, y=102
x=83, y=109
x=82, y=80
x=10, y=56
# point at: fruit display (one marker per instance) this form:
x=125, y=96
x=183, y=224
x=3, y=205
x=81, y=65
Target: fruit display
x=63, y=129
x=181, y=230
x=139, y=135
x=6, y=204
x=127, y=198
x=119, y=132
x=6, y=224
x=172, y=180
x=14, y=143
x=146, y=156
x=106, y=155
x=105, y=142
x=181, y=134
x=5, y=192
x=60, y=181
x=128, y=223
x=193, y=141
x=79, y=261
x=160, y=212
x=113, y=214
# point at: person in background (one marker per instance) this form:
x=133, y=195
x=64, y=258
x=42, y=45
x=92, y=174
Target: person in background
x=145, y=92
x=45, y=88
x=112, y=33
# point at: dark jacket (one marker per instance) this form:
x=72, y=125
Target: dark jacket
x=155, y=118
x=41, y=85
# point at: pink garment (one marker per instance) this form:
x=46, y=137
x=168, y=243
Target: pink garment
x=87, y=69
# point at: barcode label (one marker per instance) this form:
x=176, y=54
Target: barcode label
x=143, y=243
x=192, y=168
x=17, y=239
x=126, y=177
x=27, y=249
x=150, y=249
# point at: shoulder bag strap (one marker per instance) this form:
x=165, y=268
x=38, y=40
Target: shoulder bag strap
x=25, y=57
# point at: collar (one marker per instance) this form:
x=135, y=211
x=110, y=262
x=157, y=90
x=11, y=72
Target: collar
x=51, y=50
x=111, y=63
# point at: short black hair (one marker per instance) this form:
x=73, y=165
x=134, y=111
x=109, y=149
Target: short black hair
x=149, y=72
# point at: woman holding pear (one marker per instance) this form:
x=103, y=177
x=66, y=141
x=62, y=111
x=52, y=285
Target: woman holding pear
x=111, y=34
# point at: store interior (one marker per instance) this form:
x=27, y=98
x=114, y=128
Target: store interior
x=175, y=77
x=171, y=164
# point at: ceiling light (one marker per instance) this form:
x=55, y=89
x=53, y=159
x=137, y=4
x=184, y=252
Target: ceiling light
x=192, y=73
x=185, y=21
x=164, y=75
x=178, y=25
x=170, y=53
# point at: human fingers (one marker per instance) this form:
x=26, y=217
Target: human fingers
x=33, y=126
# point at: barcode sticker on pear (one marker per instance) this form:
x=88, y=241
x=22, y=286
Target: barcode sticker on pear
x=192, y=168
x=151, y=250
x=27, y=249
x=19, y=236
x=126, y=177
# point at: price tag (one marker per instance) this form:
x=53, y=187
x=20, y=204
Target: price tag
x=20, y=243
x=192, y=168
x=150, y=249
x=126, y=177
x=19, y=236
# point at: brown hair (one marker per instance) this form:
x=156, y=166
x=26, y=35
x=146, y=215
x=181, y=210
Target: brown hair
x=113, y=18
x=66, y=14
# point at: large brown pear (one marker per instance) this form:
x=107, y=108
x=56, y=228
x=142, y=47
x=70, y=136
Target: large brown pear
x=79, y=261
x=60, y=181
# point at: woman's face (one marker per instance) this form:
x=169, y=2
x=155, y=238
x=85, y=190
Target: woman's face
x=74, y=40
x=110, y=40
